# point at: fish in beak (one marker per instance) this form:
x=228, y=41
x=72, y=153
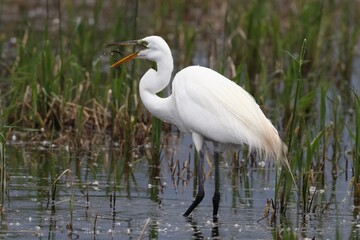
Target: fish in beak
x=140, y=43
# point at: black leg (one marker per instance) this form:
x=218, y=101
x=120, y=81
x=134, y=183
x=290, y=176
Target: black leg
x=215, y=228
x=200, y=194
x=216, y=197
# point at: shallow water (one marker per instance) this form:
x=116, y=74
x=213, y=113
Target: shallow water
x=150, y=201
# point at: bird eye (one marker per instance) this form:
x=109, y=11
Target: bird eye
x=143, y=43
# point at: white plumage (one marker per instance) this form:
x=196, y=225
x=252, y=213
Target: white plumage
x=218, y=109
x=205, y=104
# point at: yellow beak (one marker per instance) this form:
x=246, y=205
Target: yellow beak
x=127, y=58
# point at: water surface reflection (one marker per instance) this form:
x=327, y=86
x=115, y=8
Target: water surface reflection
x=103, y=196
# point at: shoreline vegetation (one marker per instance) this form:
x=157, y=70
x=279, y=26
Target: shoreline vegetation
x=297, y=59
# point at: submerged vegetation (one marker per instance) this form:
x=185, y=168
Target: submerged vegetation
x=296, y=58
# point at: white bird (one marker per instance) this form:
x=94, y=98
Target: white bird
x=205, y=104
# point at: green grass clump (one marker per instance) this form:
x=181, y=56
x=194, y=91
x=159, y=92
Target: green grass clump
x=58, y=79
x=305, y=93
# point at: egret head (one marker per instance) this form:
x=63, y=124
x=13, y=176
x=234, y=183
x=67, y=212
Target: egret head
x=153, y=48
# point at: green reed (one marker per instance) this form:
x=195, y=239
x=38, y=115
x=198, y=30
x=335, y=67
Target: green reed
x=3, y=173
x=154, y=160
x=284, y=181
x=338, y=128
x=356, y=158
x=156, y=130
x=357, y=140
x=61, y=75
x=4, y=129
x=59, y=79
x=304, y=82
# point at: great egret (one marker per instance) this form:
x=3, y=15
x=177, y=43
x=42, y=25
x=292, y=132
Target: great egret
x=205, y=104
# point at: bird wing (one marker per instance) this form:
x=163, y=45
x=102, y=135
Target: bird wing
x=217, y=108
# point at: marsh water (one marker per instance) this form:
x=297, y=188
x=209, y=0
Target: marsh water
x=84, y=187
x=149, y=200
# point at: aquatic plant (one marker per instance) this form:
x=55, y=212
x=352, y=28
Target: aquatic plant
x=55, y=80
x=356, y=158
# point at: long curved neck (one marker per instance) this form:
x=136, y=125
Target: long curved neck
x=160, y=78
x=153, y=82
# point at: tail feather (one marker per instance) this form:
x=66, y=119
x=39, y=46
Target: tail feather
x=276, y=148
